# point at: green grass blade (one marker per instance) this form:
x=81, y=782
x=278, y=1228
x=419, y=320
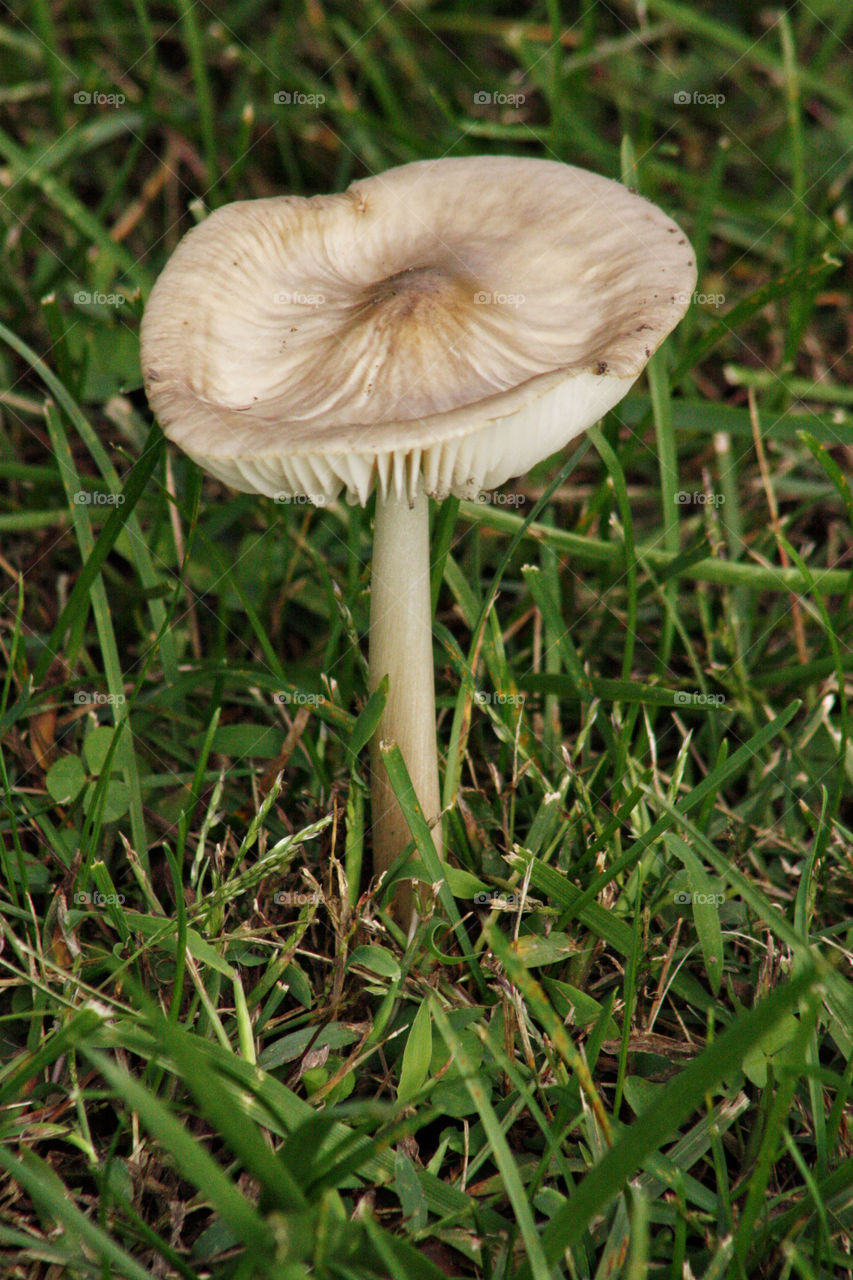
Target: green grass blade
x=196, y=1165
x=592, y=551
x=47, y=1191
x=663, y=1116
x=125, y=754
x=536, y=1255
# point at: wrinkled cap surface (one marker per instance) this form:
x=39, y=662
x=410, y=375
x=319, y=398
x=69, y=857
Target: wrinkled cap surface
x=447, y=323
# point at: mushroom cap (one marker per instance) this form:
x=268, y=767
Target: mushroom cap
x=444, y=324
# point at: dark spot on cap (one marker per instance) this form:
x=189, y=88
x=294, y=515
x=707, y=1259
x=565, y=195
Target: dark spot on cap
x=601, y=367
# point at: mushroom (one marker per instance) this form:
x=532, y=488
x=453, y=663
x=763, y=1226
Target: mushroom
x=433, y=330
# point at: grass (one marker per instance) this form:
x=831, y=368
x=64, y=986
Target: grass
x=621, y=1042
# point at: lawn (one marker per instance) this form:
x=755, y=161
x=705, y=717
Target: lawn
x=619, y=1042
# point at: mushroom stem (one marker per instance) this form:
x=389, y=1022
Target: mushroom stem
x=401, y=648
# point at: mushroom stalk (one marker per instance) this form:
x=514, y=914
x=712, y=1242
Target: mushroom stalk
x=401, y=648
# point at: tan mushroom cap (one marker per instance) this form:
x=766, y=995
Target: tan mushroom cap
x=448, y=322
